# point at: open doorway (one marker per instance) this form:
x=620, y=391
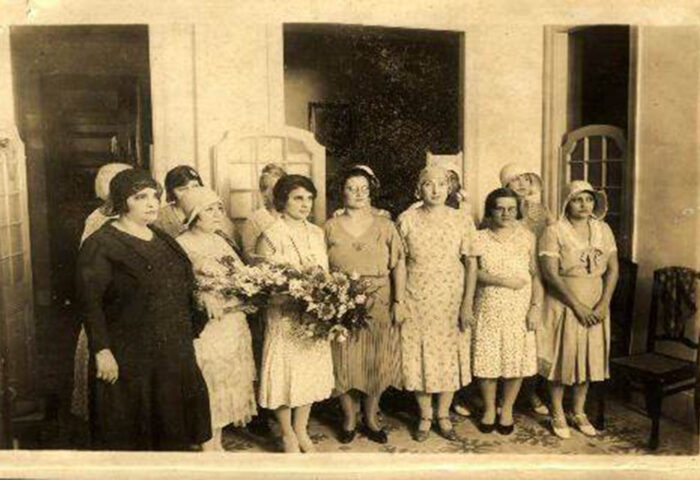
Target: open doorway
x=82, y=97
x=375, y=95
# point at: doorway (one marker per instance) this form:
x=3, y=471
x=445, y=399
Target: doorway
x=377, y=96
x=82, y=97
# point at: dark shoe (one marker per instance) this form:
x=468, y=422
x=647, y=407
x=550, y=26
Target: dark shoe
x=378, y=436
x=486, y=427
x=449, y=433
x=422, y=435
x=505, y=429
x=346, y=436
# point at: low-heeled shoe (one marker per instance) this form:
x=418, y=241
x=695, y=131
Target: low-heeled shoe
x=486, y=427
x=378, y=436
x=347, y=436
x=505, y=429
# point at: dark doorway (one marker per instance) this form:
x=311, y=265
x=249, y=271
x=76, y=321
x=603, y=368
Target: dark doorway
x=82, y=97
x=375, y=95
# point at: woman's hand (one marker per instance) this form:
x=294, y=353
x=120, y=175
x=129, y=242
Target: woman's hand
x=514, y=283
x=601, y=310
x=399, y=313
x=534, y=317
x=214, y=307
x=585, y=315
x=107, y=368
x=466, y=317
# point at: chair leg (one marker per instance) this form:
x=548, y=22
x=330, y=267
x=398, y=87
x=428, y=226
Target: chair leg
x=653, y=399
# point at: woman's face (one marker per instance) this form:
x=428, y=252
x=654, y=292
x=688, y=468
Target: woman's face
x=521, y=185
x=211, y=218
x=180, y=191
x=434, y=188
x=356, y=194
x=581, y=206
x=299, y=204
x=143, y=206
x=504, y=213
x=266, y=193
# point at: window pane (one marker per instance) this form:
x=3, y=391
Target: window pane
x=4, y=215
x=5, y=277
x=576, y=171
x=4, y=241
x=613, y=150
x=16, y=239
x=3, y=160
x=595, y=173
x=614, y=199
x=241, y=177
x=18, y=268
x=577, y=153
x=613, y=174
x=595, y=148
x=15, y=208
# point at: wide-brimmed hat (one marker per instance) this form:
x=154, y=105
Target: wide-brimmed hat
x=195, y=200
x=105, y=175
x=579, y=186
x=511, y=171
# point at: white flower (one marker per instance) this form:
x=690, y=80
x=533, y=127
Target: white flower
x=360, y=299
x=354, y=276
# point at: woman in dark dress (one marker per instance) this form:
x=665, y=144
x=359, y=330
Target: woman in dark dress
x=135, y=285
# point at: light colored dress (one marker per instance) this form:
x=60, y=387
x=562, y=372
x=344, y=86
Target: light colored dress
x=79, y=397
x=252, y=228
x=295, y=371
x=502, y=345
x=434, y=353
x=223, y=350
x=572, y=353
x=371, y=361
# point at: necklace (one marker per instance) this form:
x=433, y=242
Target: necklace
x=307, y=241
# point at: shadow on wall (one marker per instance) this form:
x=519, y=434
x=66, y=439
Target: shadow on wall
x=377, y=96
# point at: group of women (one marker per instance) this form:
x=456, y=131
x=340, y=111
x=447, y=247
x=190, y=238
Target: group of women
x=168, y=367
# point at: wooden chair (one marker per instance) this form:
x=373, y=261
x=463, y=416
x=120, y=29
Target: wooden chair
x=621, y=319
x=653, y=372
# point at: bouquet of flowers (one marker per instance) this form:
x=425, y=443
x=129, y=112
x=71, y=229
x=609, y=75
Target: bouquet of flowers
x=334, y=305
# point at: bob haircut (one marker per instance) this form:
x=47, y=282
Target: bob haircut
x=127, y=183
x=502, y=192
x=357, y=172
x=177, y=177
x=285, y=185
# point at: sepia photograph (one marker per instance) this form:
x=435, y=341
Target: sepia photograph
x=302, y=239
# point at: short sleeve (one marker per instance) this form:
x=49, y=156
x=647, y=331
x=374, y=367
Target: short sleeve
x=549, y=242
x=467, y=246
x=477, y=246
x=395, y=245
x=608, y=238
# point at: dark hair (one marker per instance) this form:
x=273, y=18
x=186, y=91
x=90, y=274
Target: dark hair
x=177, y=177
x=285, y=185
x=351, y=172
x=127, y=183
x=452, y=199
x=503, y=192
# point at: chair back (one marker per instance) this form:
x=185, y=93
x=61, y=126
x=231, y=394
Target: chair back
x=622, y=309
x=673, y=307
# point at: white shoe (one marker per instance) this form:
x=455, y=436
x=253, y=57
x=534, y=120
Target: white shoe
x=561, y=432
x=584, y=425
x=541, y=409
x=462, y=410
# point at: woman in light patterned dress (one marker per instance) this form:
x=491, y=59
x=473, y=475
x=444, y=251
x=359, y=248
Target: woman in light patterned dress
x=579, y=265
x=223, y=350
x=507, y=308
x=296, y=371
x=360, y=241
x=438, y=301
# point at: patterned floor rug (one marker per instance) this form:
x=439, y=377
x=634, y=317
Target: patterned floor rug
x=626, y=433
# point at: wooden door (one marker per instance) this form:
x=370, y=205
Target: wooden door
x=89, y=121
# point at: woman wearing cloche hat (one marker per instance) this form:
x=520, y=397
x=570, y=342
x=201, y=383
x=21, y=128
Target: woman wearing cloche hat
x=579, y=265
x=224, y=350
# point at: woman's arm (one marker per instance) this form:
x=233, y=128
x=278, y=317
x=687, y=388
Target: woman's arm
x=466, y=313
x=398, y=276
x=534, y=314
x=610, y=277
x=550, y=273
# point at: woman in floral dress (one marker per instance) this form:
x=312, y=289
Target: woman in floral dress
x=580, y=269
x=438, y=301
x=296, y=371
x=507, y=308
x=362, y=242
x=223, y=349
